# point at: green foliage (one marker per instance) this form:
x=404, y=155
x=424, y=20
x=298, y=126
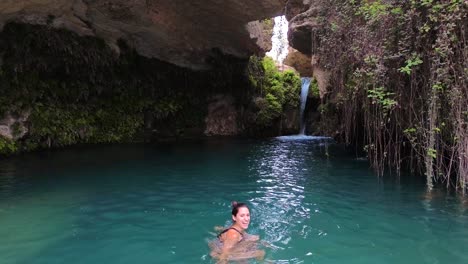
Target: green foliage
x=7, y=146
x=77, y=90
x=270, y=109
x=111, y=120
x=278, y=89
x=292, y=87
x=412, y=135
x=63, y=125
x=372, y=10
x=268, y=25
x=271, y=71
x=438, y=86
x=166, y=107
x=381, y=97
x=432, y=153
x=314, y=88
x=399, y=82
x=410, y=63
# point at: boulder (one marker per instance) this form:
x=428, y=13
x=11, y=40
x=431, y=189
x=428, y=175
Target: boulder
x=300, y=62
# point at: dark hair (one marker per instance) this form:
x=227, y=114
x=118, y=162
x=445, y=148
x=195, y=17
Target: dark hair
x=236, y=206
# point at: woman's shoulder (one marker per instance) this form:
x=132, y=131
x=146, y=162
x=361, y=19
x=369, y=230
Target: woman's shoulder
x=231, y=233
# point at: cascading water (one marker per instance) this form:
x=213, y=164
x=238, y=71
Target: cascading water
x=304, y=92
x=278, y=52
x=279, y=40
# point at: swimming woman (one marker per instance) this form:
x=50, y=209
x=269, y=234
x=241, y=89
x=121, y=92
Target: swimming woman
x=234, y=242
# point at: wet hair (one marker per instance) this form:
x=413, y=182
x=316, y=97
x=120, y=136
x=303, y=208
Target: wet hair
x=235, y=207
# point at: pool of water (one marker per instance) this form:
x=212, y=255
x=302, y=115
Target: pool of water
x=309, y=199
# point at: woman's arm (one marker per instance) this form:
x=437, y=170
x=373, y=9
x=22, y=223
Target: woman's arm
x=249, y=237
x=230, y=239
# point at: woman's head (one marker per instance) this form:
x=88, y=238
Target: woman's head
x=241, y=214
x=235, y=207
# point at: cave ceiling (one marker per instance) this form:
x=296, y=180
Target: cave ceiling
x=182, y=32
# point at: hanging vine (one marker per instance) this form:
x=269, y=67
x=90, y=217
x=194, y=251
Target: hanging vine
x=399, y=76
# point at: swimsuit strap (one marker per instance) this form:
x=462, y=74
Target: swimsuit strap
x=225, y=230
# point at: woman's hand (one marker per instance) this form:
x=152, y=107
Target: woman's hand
x=252, y=237
x=260, y=254
x=222, y=261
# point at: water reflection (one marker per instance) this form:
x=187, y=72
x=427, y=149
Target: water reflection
x=7, y=178
x=310, y=199
x=282, y=179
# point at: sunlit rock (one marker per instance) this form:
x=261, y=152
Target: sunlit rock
x=300, y=62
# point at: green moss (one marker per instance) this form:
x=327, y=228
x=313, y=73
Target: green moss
x=314, y=89
x=292, y=87
x=105, y=121
x=80, y=91
x=7, y=146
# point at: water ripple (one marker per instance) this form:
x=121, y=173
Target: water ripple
x=309, y=202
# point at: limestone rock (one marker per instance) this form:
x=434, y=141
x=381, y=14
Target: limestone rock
x=300, y=62
x=303, y=25
x=304, y=34
x=177, y=31
x=284, y=67
x=295, y=7
x=261, y=31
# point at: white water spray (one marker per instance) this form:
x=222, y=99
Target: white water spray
x=304, y=92
x=279, y=40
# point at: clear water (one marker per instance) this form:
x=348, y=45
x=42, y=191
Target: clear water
x=159, y=204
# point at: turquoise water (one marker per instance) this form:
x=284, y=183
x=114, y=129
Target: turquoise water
x=158, y=204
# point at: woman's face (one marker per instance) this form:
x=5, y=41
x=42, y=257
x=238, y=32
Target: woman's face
x=242, y=218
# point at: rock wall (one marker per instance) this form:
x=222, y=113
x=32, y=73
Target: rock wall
x=59, y=89
x=304, y=32
x=222, y=117
x=300, y=62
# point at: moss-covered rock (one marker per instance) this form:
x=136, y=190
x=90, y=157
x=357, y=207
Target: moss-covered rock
x=78, y=90
x=275, y=91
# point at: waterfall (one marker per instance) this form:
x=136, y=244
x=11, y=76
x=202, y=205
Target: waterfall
x=279, y=51
x=279, y=40
x=304, y=92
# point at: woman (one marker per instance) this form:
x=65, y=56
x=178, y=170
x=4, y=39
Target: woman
x=234, y=242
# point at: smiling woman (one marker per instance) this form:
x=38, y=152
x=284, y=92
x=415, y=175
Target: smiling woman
x=234, y=243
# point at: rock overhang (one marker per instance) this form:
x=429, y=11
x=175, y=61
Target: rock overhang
x=181, y=32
